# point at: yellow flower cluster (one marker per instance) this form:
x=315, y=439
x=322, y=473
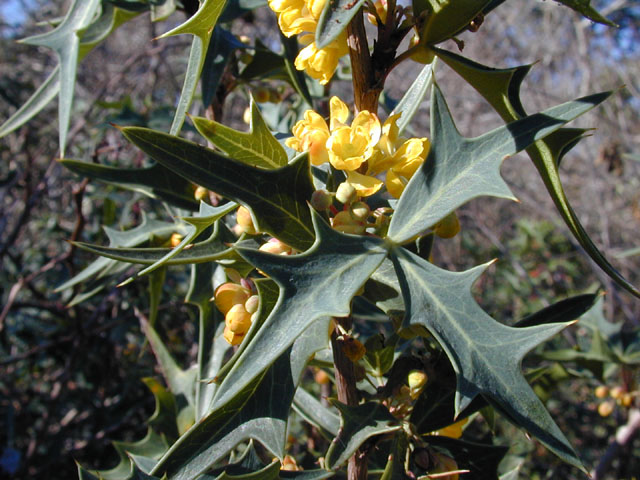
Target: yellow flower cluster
x=301, y=16
x=364, y=150
x=238, y=306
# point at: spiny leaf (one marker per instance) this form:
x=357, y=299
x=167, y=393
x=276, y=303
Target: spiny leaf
x=259, y=410
x=164, y=416
x=277, y=197
x=358, y=424
x=65, y=41
x=316, y=284
x=258, y=147
x=223, y=44
x=565, y=310
x=201, y=26
x=208, y=215
x=314, y=412
x=459, y=169
x=485, y=354
x=142, y=233
x=155, y=181
x=448, y=17
x=411, y=100
x=334, y=19
x=212, y=346
x=584, y=7
x=545, y=153
x=480, y=459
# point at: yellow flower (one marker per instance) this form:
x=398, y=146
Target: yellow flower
x=365, y=185
x=320, y=64
x=350, y=147
x=400, y=158
x=293, y=17
x=311, y=134
x=454, y=430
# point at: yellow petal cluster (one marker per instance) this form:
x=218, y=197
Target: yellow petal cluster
x=301, y=17
x=365, y=150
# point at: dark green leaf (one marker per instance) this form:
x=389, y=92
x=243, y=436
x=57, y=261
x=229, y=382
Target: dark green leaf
x=334, y=20
x=277, y=197
x=257, y=148
x=459, y=169
x=485, y=354
x=480, y=459
x=358, y=424
x=565, y=310
x=584, y=7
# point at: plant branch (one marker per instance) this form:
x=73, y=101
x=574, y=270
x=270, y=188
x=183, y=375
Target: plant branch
x=624, y=435
x=347, y=393
x=365, y=90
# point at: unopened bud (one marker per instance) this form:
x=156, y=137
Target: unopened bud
x=626, y=400
x=175, y=240
x=229, y=294
x=360, y=211
x=243, y=217
x=238, y=320
x=321, y=377
x=345, y=223
x=200, y=193
x=353, y=349
x=321, y=200
x=252, y=304
x=448, y=227
x=275, y=247
x=416, y=379
x=346, y=193
x=232, y=337
x=616, y=392
x=605, y=409
x=602, y=391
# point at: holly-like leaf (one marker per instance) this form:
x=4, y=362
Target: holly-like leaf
x=314, y=412
x=144, y=452
x=584, y=8
x=357, y=425
x=448, y=17
x=459, y=169
x=277, y=197
x=155, y=181
x=565, y=310
x=485, y=354
x=501, y=88
x=258, y=147
x=201, y=26
x=110, y=19
x=334, y=19
x=316, y=284
x=480, y=459
x=259, y=411
x=412, y=99
x=223, y=44
x=65, y=42
x=142, y=233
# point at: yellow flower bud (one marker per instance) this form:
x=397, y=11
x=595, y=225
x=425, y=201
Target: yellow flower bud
x=346, y=193
x=252, y=304
x=616, y=392
x=417, y=379
x=448, y=227
x=602, y=391
x=232, y=337
x=289, y=463
x=200, y=193
x=246, y=116
x=229, y=294
x=605, y=409
x=321, y=377
x=276, y=247
x=175, y=240
x=345, y=223
x=360, y=211
x=237, y=319
x=321, y=200
x=243, y=218
x=626, y=400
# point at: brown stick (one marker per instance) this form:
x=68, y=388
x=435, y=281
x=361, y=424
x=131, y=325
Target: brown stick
x=624, y=435
x=365, y=91
x=347, y=392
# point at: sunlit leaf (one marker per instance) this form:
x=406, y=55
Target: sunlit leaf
x=334, y=19
x=485, y=354
x=501, y=88
x=277, y=197
x=459, y=169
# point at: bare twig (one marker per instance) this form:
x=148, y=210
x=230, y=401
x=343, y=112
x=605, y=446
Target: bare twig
x=623, y=436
